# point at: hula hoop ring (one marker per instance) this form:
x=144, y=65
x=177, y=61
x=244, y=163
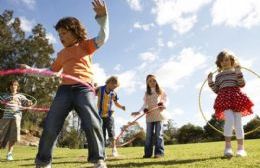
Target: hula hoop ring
x=203, y=115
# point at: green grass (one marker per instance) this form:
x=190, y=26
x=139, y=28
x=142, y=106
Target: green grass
x=207, y=155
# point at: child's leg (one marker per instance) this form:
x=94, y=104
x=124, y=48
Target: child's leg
x=104, y=129
x=111, y=131
x=239, y=131
x=85, y=105
x=159, y=143
x=11, y=146
x=228, y=127
x=59, y=110
x=148, y=149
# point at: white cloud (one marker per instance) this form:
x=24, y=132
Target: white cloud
x=99, y=75
x=160, y=42
x=145, y=27
x=29, y=3
x=170, y=44
x=26, y=25
x=172, y=71
x=236, y=13
x=180, y=14
x=135, y=5
x=148, y=56
x=51, y=38
x=118, y=67
x=127, y=81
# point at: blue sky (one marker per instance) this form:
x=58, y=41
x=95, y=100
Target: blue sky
x=177, y=40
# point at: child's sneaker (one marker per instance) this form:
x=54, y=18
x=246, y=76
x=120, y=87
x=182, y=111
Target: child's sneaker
x=241, y=153
x=47, y=166
x=9, y=157
x=100, y=164
x=114, y=152
x=228, y=152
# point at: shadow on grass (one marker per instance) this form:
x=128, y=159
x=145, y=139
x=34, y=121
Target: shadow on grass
x=161, y=162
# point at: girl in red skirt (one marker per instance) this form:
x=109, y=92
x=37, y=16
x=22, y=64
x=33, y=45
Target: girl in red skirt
x=231, y=104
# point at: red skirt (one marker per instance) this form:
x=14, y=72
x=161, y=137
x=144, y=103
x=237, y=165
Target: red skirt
x=231, y=98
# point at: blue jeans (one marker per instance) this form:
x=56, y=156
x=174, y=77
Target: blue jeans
x=154, y=131
x=81, y=99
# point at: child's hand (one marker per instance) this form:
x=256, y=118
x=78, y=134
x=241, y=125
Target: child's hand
x=146, y=110
x=99, y=8
x=237, y=68
x=161, y=106
x=23, y=66
x=123, y=108
x=210, y=76
x=135, y=114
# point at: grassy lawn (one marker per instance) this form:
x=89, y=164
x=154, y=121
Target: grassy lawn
x=208, y=155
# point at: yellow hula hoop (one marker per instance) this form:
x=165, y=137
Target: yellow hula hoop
x=203, y=115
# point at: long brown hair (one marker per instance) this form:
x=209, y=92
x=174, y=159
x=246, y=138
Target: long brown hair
x=221, y=56
x=73, y=25
x=157, y=87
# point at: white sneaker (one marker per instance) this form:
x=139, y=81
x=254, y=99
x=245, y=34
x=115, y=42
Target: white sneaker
x=9, y=157
x=228, y=152
x=241, y=153
x=47, y=166
x=100, y=164
x=114, y=152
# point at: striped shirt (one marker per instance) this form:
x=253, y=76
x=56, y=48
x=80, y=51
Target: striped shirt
x=13, y=104
x=105, y=101
x=228, y=78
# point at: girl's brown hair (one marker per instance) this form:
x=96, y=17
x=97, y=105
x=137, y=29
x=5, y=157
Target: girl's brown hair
x=73, y=25
x=221, y=56
x=11, y=84
x=157, y=87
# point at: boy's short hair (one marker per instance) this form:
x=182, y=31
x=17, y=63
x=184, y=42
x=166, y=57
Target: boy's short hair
x=112, y=79
x=73, y=25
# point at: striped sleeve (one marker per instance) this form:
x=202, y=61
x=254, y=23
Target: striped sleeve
x=213, y=85
x=240, y=80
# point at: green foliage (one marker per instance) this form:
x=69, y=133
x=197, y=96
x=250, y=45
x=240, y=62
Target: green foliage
x=210, y=133
x=170, y=132
x=251, y=126
x=189, y=134
x=17, y=47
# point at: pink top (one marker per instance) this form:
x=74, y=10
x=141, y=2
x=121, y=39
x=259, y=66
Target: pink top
x=150, y=102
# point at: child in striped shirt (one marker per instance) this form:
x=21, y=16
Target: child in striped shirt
x=231, y=104
x=10, y=124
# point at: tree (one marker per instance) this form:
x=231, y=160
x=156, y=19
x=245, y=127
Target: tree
x=252, y=125
x=189, y=134
x=17, y=47
x=170, y=132
x=210, y=133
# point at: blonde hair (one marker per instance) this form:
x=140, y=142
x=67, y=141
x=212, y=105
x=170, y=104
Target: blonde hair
x=113, y=79
x=225, y=53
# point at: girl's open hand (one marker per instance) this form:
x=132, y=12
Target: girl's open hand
x=99, y=8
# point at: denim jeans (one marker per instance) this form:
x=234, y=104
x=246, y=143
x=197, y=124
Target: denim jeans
x=154, y=131
x=81, y=99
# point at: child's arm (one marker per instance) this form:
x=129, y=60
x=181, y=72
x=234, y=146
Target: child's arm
x=102, y=19
x=119, y=105
x=212, y=85
x=163, y=101
x=143, y=108
x=240, y=78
